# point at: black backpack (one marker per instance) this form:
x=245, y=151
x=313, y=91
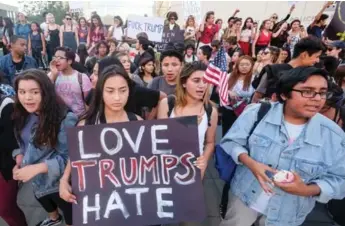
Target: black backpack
x=171, y=105
x=273, y=74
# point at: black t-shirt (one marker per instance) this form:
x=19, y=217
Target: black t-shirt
x=18, y=66
x=280, y=40
x=315, y=31
x=141, y=97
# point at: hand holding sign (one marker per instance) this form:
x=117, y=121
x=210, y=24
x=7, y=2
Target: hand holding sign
x=137, y=173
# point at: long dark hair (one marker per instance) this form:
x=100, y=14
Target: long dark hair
x=83, y=18
x=142, y=72
x=263, y=24
x=38, y=27
x=9, y=26
x=51, y=113
x=100, y=24
x=236, y=74
x=82, y=53
x=245, y=23
x=97, y=103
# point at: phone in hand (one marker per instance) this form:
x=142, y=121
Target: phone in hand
x=269, y=174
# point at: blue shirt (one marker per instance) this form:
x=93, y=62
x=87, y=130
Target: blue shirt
x=55, y=158
x=317, y=155
x=7, y=66
x=26, y=132
x=22, y=30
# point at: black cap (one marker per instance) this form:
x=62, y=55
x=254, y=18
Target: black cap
x=145, y=58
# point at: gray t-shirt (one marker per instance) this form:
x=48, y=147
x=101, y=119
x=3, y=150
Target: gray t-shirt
x=262, y=87
x=160, y=84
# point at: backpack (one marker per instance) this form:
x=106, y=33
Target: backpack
x=4, y=101
x=273, y=74
x=224, y=163
x=208, y=108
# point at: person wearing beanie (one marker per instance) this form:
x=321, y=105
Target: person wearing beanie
x=171, y=64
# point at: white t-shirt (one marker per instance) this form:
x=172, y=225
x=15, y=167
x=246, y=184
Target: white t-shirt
x=202, y=129
x=260, y=205
x=190, y=59
x=117, y=33
x=44, y=27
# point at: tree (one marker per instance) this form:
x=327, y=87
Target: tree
x=35, y=9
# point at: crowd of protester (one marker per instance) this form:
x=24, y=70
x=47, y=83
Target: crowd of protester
x=92, y=75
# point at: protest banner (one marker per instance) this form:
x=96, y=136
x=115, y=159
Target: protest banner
x=152, y=26
x=336, y=28
x=136, y=173
x=174, y=36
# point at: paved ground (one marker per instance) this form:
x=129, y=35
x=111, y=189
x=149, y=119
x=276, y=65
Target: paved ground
x=213, y=188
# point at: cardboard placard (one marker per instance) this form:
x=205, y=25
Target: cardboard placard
x=136, y=173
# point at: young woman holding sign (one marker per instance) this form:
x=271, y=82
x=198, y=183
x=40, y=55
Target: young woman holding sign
x=109, y=102
x=43, y=152
x=192, y=99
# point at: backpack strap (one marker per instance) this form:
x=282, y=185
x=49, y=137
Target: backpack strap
x=132, y=116
x=208, y=110
x=80, y=81
x=4, y=101
x=264, y=108
x=171, y=104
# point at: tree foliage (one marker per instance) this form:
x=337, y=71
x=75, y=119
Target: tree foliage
x=35, y=9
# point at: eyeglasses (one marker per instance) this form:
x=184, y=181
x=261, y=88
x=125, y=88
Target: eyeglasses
x=68, y=18
x=312, y=94
x=59, y=58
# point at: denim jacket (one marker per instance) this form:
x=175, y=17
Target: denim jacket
x=317, y=155
x=56, y=159
x=7, y=66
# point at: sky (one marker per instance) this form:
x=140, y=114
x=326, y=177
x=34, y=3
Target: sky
x=13, y=3
x=119, y=7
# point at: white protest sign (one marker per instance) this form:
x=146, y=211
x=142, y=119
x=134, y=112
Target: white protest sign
x=152, y=26
x=192, y=8
x=76, y=6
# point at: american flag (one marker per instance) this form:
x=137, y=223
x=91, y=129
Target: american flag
x=217, y=75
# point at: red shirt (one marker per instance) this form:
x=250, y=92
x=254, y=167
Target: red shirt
x=264, y=40
x=208, y=34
